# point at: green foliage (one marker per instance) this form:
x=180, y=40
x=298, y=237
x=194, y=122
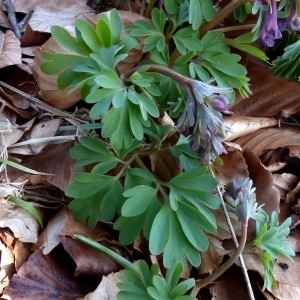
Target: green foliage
x=117, y=180
x=272, y=239
x=148, y=284
x=288, y=65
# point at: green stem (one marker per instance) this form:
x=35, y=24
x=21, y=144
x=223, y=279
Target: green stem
x=221, y=15
x=209, y=279
x=162, y=70
x=149, y=8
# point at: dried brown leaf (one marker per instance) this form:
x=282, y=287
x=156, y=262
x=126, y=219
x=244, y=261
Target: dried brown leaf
x=271, y=95
x=47, y=277
x=89, y=261
x=243, y=125
x=10, y=49
x=271, y=138
x=212, y=258
x=285, y=183
x=49, y=91
x=56, y=12
x=23, y=225
x=43, y=129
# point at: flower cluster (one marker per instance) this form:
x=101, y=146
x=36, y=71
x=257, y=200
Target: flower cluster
x=202, y=120
x=294, y=18
x=241, y=198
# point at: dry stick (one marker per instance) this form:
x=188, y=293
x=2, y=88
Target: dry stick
x=11, y=15
x=42, y=105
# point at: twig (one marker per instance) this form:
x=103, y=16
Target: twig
x=42, y=105
x=25, y=20
x=11, y=15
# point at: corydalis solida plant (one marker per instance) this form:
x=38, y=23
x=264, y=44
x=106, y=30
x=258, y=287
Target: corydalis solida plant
x=121, y=187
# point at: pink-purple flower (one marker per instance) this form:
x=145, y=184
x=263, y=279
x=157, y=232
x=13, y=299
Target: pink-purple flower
x=270, y=31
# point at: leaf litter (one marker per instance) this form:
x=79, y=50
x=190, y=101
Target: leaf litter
x=50, y=263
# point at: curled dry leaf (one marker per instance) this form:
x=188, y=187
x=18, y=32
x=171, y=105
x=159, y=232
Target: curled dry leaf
x=10, y=49
x=285, y=183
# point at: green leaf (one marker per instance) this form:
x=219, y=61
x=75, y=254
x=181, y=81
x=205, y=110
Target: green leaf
x=27, y=206
x=199, y=11
x=138, y=200
x=59, y=62
x=109, y=79
x=64, y=39
x=159, y=238
x=115, y=26
x=89, y=34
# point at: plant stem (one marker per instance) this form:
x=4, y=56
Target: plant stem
x=149, y=8
x=244, y=269
x=162, y=70
x=221, y=15
x=204, y=282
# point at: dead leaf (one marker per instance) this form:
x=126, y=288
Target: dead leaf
x=45, y=128
x=10, y=49
x=285, y=183
x=54, y=160
x=271, y=95
x=212, y=258
x=89, y=261
x=286, y=272
x=243, y=125
x=23, y=225
x=56, y=12
x=266, y=192
x=227, y=170
x=47, y=277
x=49, y=91
x=271, y=138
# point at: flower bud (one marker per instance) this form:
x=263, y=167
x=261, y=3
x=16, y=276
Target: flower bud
x=241, y=198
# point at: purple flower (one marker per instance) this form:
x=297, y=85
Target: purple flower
x=270, y=30
x=294, y=19
x=218, y=102
x=201, y=119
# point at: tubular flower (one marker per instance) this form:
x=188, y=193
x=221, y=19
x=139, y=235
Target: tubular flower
x=294, y=19
x=201, y=119
x=241, y=198
x=270, y=30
